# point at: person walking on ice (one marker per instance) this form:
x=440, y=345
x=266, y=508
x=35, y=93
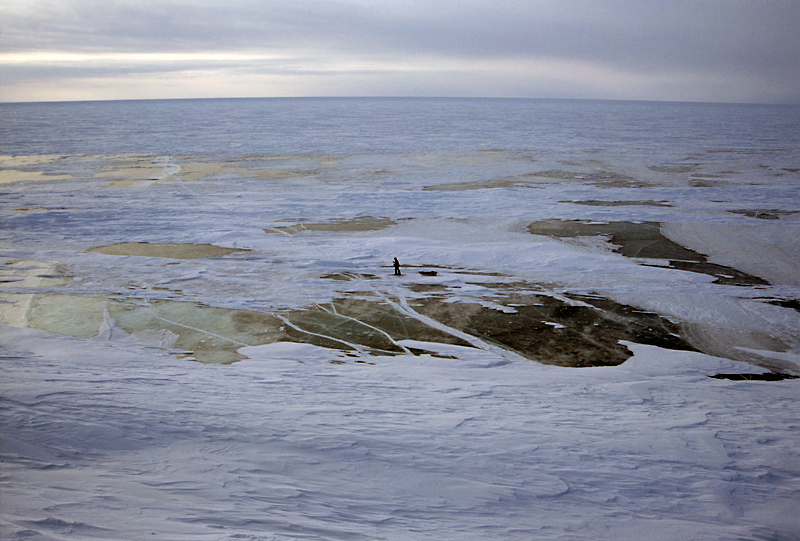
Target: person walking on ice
x=396, y=267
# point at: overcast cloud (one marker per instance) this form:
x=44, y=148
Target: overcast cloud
x=699, y=50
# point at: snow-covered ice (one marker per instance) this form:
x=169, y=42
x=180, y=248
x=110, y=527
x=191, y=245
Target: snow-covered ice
x=206, y=343
x=117, y=441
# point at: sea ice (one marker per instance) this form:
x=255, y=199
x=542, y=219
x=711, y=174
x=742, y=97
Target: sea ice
x=335, y=400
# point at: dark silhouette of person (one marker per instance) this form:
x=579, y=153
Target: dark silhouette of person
x=396, y=267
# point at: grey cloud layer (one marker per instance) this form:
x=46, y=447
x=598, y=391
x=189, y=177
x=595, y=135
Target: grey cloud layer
x=755, y=38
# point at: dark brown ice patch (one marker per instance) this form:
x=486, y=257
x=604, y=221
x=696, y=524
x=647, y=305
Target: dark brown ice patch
x=601, y=177
x=477, y=185
x=529, y=180
x=362, y=223
x=673, y=169
x=583, y=331
x=765, y=214
x=166, y=250
x=353, y=322
x=707, y=181
x=794, y=304
x=768, y=376
x=480, y=273
x=597, y=176
x=731, y=151
x=761, y=214
x=644, y=240
x=598, y=203
x=427, y=288
x=348, y=276
x=555, y=331
x=420, y=351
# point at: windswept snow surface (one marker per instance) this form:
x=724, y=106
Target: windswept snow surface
x=143, y=258
x=110, y=441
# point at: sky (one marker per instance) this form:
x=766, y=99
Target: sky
x=674, y=50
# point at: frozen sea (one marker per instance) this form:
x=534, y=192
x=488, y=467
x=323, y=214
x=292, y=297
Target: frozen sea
x=595, y=333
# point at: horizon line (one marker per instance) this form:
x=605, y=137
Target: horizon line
x=544, y=98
